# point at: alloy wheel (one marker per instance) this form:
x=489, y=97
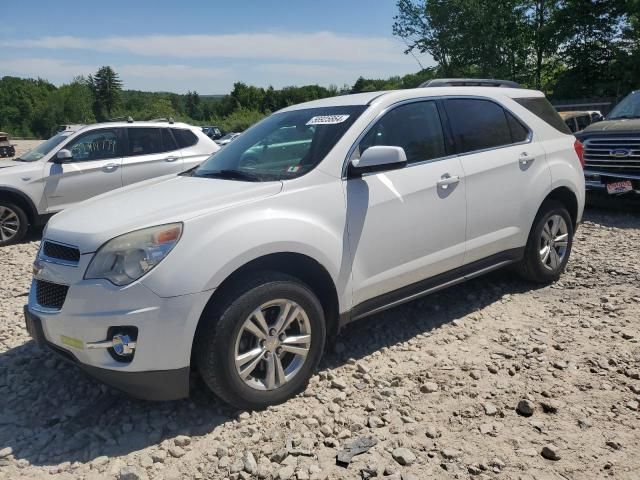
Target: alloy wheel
x=554, y=242
x=9, y=224
x=272, y=344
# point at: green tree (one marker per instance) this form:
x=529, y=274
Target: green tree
x=192, y=105
x=106, y=87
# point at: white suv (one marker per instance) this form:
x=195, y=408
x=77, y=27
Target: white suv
x=81, y=162
x=321, y=214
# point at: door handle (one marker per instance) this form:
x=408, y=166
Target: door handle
x=525, y=159
x=110, y=167
x=171, y=159
x=447, y=180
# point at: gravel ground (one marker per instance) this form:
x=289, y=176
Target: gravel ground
x=491, y=379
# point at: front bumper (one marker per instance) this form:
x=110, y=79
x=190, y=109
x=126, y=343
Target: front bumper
x=152, y=385
x=596, y=181
x=92, y=310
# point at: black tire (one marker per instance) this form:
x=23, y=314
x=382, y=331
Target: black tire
x=531, y=267
x=6, y=229
x=222, y=323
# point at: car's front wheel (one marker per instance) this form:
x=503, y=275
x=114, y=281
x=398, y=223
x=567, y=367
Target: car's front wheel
x=261, y=343
x=13, y=223
x=549, y=244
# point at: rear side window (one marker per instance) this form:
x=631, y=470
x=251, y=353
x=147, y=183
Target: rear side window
x=185, y=138
x=144, y=141
x=168, y=142
x=416, y=127
x=541, y=108
x=478, y=124
x=519, y=132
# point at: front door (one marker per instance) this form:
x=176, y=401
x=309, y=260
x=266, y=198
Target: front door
x=406, y=225
x=94, y=169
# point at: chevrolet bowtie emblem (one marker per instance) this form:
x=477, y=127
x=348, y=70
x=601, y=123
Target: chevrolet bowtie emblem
x=38, y=267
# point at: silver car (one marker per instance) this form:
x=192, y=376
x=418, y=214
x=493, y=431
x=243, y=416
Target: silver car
x=83, y=161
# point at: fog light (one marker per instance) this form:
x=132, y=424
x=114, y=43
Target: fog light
x=123, y=345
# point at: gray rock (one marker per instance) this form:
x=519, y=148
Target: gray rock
x=285, y=473
x=159, y=456
x=450, y=453
x=176, y=452
x=250, y=464
x=403, y=456
x=339, y=383
x=490, y=409
x=375, y=422
x=429, y=387
x=131, y=473
x=5, y=452
x=525, y=408
x=550, y=452
x=182, y=441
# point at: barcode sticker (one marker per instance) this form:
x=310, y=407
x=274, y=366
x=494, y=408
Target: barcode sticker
x=327, y=119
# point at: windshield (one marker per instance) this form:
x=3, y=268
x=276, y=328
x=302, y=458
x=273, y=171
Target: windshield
x=627, y=108
x=283, y=146
x=44, y=148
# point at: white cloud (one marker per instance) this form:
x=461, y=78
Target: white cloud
x=318, y=46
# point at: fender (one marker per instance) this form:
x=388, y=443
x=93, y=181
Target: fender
x=32, y=211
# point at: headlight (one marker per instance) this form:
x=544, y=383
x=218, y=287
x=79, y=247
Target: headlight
x=125, y=259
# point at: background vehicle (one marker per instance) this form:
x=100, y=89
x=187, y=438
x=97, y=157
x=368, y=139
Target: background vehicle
x=365, y=201
x=612, y=150
x=228, y=138
x=80, y=163
x=7, y=149
x=577, y=121
x=212, y=132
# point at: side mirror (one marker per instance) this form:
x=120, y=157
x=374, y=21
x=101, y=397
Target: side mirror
x=63, y=156
x=378, y=159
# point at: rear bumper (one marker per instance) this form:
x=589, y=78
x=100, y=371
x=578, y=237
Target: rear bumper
x=150, y=385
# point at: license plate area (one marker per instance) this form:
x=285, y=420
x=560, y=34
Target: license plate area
x=622, y=186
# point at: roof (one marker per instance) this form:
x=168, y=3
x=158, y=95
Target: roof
x=124, y=123
x=4, y=133
x=389, y=96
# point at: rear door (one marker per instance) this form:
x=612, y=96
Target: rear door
x=151, y=152
x=506, y=174
x=94, y=169
x=192, y=150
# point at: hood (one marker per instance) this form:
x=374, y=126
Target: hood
x=8, y=163
x=614, y=126
x=90, y=224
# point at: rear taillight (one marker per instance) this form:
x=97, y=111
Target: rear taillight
x=579, y=151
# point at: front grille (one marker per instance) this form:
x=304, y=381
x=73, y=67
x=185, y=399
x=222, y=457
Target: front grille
x=613, y=154
x=50, y=295
x=61, y=252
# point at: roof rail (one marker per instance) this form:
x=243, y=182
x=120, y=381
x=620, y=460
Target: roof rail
x=128, y=119
x=469, y=82
x=163, y=119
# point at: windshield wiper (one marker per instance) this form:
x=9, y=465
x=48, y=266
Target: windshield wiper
x=230, y=175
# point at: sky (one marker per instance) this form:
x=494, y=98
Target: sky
x=204, y=46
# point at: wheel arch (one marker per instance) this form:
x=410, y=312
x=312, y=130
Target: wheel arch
x=298, y=265
x=21, y=200
x=568, y=198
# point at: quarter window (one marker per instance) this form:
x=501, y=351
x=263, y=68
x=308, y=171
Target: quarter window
x=185, y=138
x=480, y=125
x=144, y=141
x=95, y=145
x=519, y=132
x=416, y=127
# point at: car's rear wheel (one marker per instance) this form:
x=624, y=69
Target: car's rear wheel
x=549, y=244
x=260, y=345
x=13, y=223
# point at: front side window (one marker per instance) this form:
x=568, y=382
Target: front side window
x=144, y=141
x=282, y=146
x=95, y=145
x=416, y=127
x=478, y=124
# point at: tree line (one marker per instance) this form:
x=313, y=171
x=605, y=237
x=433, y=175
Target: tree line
x=567, y=48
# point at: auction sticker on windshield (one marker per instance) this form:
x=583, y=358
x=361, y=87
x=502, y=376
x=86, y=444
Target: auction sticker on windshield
x=327, y=119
